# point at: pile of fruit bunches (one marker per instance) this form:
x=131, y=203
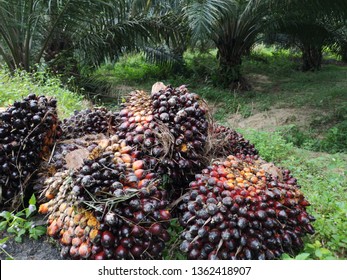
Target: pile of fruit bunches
x=28, y=130
x=113, y=196
x=235, y=210
x=113, y=207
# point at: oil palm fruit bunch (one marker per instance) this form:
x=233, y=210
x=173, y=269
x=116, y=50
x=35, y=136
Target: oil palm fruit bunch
x=125, y=207
x=236, y=210
x=185, y=116
x=89, y=121
x=170, y=126
x=27, y=132
x=226, y=141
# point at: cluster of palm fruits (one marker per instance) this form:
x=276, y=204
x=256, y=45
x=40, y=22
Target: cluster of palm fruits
x=27, y=132
x=170, y=125
x=89, y=121
x=110, y=208
x=226, y=141
x=236, y=210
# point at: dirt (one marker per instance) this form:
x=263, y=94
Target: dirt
x=44, y=248
x=273, y=118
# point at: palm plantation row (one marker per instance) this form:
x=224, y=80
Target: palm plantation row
x=82, y=34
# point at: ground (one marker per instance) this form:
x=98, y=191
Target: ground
x=44, y=248
x=271, y=119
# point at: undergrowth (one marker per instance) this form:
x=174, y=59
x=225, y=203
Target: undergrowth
x=15, y=86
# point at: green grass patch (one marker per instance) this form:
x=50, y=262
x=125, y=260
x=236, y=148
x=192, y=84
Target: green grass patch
x=19, y=84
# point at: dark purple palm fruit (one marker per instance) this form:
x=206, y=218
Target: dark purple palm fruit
x=235, y=210
x=226, y=141
x=28, y=129
x=120, y=190
x=89, y=121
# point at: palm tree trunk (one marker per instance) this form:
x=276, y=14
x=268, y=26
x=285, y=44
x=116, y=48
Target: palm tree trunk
x=229, y=65
x=311, y=58
x=343, y=53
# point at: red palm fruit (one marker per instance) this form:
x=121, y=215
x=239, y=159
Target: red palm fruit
x=156, y=229
x=164, y=215
x=66, y=239
x=137, y=231
x=100, y=256
x=121, y=253
x=138, y=164
x=84, y=250
x=76, y=241
x=74, y=254
x=140, y=173
x=137, y=251
x=107, y=239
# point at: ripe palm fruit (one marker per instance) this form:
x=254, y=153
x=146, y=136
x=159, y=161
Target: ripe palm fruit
x=89, y=121
x=235, y=210
x=226, y=141
x=118, y=188
x=27, y=132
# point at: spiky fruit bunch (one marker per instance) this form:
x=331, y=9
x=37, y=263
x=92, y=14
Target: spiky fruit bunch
x=184, y=114
x=27, y=132
x=235, y=210
x=89, y=121
x=226, y=141
x=119, y=190
x=169, y=126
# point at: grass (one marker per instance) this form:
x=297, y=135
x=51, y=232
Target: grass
x=20, y=84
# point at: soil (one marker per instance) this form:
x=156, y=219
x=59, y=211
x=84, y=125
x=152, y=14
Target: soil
x=269, y=120
x=44, y=248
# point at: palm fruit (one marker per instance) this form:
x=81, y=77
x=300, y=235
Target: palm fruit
x=89, y=121
x=27, y=132
x=226, y=141
x=120, y=191
x=236, y=210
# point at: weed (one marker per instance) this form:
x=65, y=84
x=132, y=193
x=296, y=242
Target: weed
x=20, y=84
x=20, y=223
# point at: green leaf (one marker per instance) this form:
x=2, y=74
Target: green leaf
x=318, y=253
x=5, y=214
x=3, y=225
x=21, y=232
x=18, y=239
x=32, y=200
x=302, y=256
x=36, y=232
x=4, y=240
x=11, y=230
x=285, y=256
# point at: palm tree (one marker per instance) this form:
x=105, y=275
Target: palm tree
x=233, y=26
x=310, y=26
x=89, y=30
